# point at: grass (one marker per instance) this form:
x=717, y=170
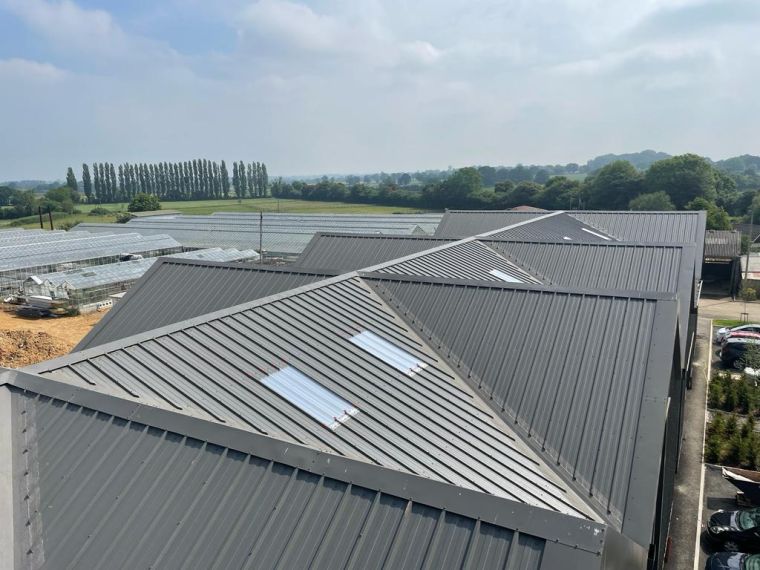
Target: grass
x=201, y=207
x=727, y=323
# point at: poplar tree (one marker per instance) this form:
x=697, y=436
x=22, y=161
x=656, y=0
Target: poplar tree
x=86, y=182
x=71, y=180
x=114, y=187
x=225, y=180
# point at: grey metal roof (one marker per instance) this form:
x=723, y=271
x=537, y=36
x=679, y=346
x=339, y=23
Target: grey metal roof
x=614, y=266
x=161, y=296
x=347, y=252
x=552, y=226
x=429, y=423
x=584, y=377
x=465, y=259
x=722, y=245
x=465, y=223
x=97, y=481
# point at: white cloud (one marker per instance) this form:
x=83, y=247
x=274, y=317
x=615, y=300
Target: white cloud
x=290, y=29
x=24, y=70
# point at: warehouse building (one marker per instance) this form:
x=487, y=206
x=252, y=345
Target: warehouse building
x=157, y=300
x=418, y=369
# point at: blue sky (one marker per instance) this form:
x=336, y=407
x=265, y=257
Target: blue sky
x=363, y=86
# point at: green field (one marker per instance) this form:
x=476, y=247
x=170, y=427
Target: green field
x=200, y=207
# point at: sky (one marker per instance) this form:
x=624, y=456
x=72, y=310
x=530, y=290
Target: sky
x=356, y=86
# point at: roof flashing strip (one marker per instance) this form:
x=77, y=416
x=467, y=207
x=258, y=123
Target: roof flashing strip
x=312, y=398
x=388, y=353
x=505, y=276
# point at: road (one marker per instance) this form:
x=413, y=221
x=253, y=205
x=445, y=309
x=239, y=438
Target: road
x=727, y=309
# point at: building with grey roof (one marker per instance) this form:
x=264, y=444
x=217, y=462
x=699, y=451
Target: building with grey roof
x=722, y=266
x=601, y=265
x=156, y=487
x=161, y=296
x=646, y=227
x=567, y=401
x=348, y=252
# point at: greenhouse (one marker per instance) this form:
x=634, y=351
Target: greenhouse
x=19, y=262
x=90, y=285
x=279, y=237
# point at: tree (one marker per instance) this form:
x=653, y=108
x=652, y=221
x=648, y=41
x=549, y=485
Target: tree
x=560, y=193
x=542, y=176
x=71, y=180
x=86, y=182
x=654, y=202
x=717, y=218
x=235, y=179
x=453, y=192
x=112, y=183
x=503, y=187
x=144, y=202
x=524, y=194
x=613, y=186
x=264, y=179
x=683, y=178
x=404, y=179
x=242, y=187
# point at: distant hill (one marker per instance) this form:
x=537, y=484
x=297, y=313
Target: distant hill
x=641, y=160
x=36, y=185
x=739, y=164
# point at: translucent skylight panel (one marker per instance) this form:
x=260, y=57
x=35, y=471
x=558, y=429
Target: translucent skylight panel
x=314, y=399
x=505, y=276
x=596, y=234
x=388, y=353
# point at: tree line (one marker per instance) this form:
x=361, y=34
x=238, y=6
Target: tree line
x=686, y=182
x=198, y=179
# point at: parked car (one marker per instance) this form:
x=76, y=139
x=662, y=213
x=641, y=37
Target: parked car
x=733, y=350
x=733, y=561
x=735, y=531
x=720, y=334
x=741, y=334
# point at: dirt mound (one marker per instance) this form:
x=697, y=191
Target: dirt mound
x=23, y=347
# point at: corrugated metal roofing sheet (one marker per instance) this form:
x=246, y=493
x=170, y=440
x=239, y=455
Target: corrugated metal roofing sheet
x=430, y=424
x=614, y=266
x=583, y=376
x=465, y=223
x=468, y=259
x=348, y=252
x=551, y=227
x=160, y=298
x=110, y=485
x=722, y=244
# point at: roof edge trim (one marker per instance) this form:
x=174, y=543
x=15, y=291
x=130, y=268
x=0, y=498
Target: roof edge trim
x=585, y=534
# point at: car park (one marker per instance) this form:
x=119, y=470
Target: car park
x=733, y=561
x=735, y=531
x=721, y=333
x=733, y=350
